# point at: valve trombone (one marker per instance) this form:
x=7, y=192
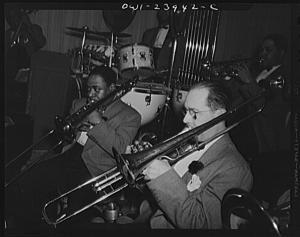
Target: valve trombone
x=128, y=171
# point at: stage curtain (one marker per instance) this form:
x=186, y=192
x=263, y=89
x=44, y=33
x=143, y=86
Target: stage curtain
x=239, y=31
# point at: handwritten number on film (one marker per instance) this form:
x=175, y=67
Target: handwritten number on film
x=167, y=7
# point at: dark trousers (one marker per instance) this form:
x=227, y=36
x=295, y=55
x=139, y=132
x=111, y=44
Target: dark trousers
x=48, y=180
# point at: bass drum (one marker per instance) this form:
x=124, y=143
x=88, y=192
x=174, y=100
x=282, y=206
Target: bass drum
x=146, y=98
x=178, y=99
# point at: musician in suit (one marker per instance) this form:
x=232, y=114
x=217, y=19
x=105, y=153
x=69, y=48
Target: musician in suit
x=159, y=39
x=271, y=126
x=114, y=127
x=91, y=153
x=189, y=194
x=22, y=39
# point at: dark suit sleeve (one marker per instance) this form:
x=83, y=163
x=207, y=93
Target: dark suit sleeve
x=147, y=38
x=37, y=36
x=120, y=136
x=198, y=209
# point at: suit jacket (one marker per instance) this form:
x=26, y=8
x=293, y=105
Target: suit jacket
x=118, y=131
x=270, y=126
x=161, y=56
x=224, y=168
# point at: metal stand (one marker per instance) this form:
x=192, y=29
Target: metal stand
x=79, y=76
x=166, y=107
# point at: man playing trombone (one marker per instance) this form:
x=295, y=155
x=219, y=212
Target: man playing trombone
x=189, y=194
x=115, y=126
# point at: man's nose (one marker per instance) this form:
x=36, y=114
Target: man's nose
x=186, y=118
x=91, y=92
x=263, y=52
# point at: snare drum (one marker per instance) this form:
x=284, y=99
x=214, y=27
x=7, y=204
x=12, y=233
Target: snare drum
x=146, y=98
x=136, y=60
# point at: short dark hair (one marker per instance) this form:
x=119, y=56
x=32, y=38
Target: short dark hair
x=218, y=96
x=278, y=39
x=109, y=76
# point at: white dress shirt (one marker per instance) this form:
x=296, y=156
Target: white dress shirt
x=181, y=167
x=265, y=73
x=161, y=36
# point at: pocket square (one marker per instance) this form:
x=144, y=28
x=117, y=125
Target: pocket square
x=194, y=183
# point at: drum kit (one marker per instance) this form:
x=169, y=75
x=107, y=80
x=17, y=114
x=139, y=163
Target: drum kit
x=148, y=96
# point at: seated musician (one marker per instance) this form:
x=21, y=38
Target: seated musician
x=90, y=155
x=189, y=194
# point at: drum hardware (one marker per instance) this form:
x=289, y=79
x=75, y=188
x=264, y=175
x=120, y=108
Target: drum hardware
x=81, y=63
x=148, y=99
x=79, y=67
x=128, y=171
x=78, y=82
x=166, y=107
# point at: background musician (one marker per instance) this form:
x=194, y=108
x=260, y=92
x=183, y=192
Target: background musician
x=159, y=39
x=22, y=39
x=271, y=127
x=90, y=155
x=189, y=194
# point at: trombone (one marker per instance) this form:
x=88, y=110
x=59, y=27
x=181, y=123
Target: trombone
x=128, y=171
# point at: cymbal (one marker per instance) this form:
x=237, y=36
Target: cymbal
x=104, y=34
x=83, y=29
x=88, y=36
x=108, y=34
